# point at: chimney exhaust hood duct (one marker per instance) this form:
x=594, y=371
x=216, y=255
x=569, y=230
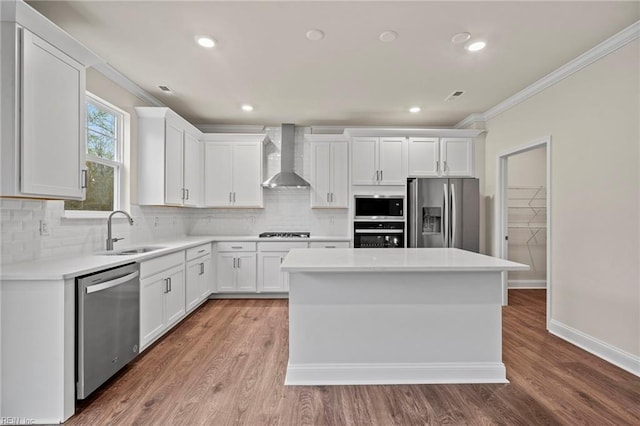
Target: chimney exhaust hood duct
x=287, y=177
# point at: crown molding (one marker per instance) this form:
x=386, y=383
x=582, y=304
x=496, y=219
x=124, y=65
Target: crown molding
x=122, y=80
x=613, y=43
x=231, y=128
x=470, y=120
x=592, y=55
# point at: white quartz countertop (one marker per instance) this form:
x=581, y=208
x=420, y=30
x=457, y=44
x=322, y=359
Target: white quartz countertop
x=73, y=266
x=394, y=260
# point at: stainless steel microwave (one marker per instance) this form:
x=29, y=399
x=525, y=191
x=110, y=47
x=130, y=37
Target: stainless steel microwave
x=379, y=207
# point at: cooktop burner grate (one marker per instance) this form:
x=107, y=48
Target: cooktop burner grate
x=285, y=235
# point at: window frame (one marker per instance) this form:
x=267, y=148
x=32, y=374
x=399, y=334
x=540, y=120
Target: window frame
x=120, y=163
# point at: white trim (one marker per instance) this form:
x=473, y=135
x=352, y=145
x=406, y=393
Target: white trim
x=597, y=347
x=476, y=117
x=527, y=284
x=501, y=216
x=381, y=374
x=120, y=79
x=411, y=131
x=592, y=55
x=230, y=128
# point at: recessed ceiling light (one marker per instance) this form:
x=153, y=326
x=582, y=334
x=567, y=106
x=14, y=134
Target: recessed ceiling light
x=247, y=108
x=205, y=41
x=415, y=109
x=460, y=38
x=388, y=36
x=315, y=35
x=475, y=46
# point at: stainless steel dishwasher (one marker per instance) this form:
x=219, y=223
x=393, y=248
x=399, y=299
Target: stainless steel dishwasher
x=108, y=325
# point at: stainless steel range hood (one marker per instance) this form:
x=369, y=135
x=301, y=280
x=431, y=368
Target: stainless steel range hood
x=287, y=178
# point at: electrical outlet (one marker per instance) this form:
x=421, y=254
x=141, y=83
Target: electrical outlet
x=44, y=228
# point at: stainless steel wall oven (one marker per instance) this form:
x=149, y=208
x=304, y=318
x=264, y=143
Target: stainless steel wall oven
x=378, y=234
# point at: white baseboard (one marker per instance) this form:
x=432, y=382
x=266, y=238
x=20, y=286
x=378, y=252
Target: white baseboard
x=527, y=284
x=249, y=296
x=615, y=356
x=386, y=374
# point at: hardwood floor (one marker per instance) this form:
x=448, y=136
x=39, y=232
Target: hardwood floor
x=225, y=365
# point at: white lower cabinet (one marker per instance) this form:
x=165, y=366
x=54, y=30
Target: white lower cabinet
x=270, y=256
x=162, y=296
x=236, y=267
x=199, y=274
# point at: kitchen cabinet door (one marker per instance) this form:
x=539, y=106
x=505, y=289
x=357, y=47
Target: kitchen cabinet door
x=218, y=189
x=226, y=272
x=152, y=309
x=321, y=174
x=270, y=278
x=206, y=277
x=340, y=175
x=246, y=272
x=193, y=284
x=247, y=175
x=193, y=177
x=175, y=297
x=52, y=121
x=391, y=161
x=424, y=157
x=173, y=164
x=364, y=161
x=457, y=157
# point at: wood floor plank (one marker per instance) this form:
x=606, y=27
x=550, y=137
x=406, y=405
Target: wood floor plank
x=226, y=363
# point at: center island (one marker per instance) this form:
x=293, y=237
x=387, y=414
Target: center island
x=395, y=316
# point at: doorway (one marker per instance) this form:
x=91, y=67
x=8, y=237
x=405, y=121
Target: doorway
x=523, y=215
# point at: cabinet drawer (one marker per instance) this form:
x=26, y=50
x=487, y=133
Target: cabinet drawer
x=280, y=246
x=237, y=246
x=159, y=264
x=329, y=244
x=198, y=251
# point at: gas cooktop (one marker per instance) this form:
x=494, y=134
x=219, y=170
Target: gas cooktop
x=285, y=235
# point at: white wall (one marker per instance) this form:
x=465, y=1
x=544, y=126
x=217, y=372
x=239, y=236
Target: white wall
x=593, y=119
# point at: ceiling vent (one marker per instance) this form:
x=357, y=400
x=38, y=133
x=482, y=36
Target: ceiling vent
x=165, y=89
x=455, y=95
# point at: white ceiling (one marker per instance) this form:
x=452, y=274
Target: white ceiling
x=263, y=57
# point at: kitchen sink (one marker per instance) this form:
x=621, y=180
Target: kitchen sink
x=137, y=250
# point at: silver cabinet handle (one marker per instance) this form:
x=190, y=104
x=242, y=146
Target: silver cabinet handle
x=328, y=197
x=281, y=260
x=377, y=175
x=238, y=262
x=444, y=166
x=83, y=179
x=381, y=175
x=202, y=268
x=182, y=189
x=187, y=193
x=230, y=197
x=329, y=246
x=234, y=197
x=166, y=285
x=201, y=251
x=170, y=286
x=437, y=166
x=332, y=197
x=234, y=263
x=236, y=247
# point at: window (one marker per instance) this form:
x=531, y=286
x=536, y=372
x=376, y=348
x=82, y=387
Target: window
x=104, y=160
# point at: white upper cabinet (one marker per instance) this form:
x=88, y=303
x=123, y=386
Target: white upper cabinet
x=456, y=155
x=233, y=170
x=329, y=171
x=438, y=157
x=378, y=161
x=43, y=107
x=169, y=159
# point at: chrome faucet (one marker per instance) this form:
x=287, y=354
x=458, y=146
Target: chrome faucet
x=110, y=240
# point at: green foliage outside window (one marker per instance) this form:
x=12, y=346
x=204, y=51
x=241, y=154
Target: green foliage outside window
x=103, y=133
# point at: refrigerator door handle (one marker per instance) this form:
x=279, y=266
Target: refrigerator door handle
x=454, y=216
x=413, y=213
x=445, y=228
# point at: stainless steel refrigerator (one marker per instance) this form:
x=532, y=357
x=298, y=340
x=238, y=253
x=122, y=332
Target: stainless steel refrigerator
x=443, y=213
